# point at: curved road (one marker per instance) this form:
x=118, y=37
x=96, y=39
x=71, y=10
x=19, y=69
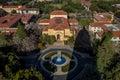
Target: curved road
x=34, y=61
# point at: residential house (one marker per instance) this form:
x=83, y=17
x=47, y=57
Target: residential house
x=103, y=26
x=115, y=39
x=21, y=9
x=8, y=23
x=86, y=4
x=103, y=17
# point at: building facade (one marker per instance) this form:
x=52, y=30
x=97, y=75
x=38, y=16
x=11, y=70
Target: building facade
x=21, y=9
x=59, y=25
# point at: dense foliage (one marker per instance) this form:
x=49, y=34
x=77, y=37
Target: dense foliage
x=103, y=6
x=2, y=13
x=107, y=58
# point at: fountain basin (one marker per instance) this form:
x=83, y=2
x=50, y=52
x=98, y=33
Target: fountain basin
x=59, y=60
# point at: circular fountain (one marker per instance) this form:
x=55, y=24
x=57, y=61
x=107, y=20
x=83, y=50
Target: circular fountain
x=59, y=60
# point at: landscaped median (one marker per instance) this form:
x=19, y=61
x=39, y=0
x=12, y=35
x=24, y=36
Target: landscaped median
x=68, y=67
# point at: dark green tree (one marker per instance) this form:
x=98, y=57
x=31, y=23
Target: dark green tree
x=18, y=37
x=3, y=40
x=28, y=74
x=13, y=12
x=90, y=73
x=106, y=53
x=2, y=13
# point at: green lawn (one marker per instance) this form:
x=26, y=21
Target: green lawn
x=49, y=67
x=85, y=22
x=68, y=67
x=49, y=55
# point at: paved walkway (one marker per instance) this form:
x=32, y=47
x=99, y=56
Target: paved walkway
x=36, y=59
x=59, y=43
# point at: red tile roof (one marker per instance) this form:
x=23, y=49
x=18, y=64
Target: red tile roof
x=10, y=6
x=115, y=33
x=58, y=23
x=103, y=17
x=58, y=12
x=100, y=24
x=9, y=20
x=44, y=21
x=73, y=21
x=32, y=9
x=21, y=8
x=26, y=17
x=86, y=2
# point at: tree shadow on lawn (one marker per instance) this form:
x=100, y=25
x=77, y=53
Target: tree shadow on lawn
x=86, y=68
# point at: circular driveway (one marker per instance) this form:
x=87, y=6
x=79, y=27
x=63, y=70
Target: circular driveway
x=82, y=59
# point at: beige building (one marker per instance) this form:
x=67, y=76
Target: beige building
x=21, y=9
x=59, y=25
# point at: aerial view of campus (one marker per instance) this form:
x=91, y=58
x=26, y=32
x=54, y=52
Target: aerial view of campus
x=59, y=39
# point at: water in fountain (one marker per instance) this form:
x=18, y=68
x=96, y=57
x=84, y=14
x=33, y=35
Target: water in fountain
x=58, y=60
x=59, y=57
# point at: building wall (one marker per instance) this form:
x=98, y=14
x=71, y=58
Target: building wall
x=67, y=32
x=44, y=24
x=9, y=9
x=52, y=16
x=30, y=12
x=95, y=29
x=114, y=39
x=62, y=33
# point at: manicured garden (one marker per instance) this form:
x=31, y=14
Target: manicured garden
x=69, y=66
x=48, y=56
x=49, y=66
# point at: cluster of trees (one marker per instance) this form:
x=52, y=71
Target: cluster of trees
x=2, y=13
x=72, y=7
x=46, y=39
x=12, y=67
x=68, y=5
x=107, y=58
x=22, y=41
x=103, y=6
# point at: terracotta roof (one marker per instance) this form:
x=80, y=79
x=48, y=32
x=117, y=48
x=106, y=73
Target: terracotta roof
x=16, y=7
x=103, y=17
x=44, y=21
x=26, y=17
x=10, y=7
x=73, y=21
x=115, y=33
x=58, y=12
x=86, y=2
x=32, y=9
x=100, y=24
x=59, y=21
x=9, y=20
x=96, y=24
x=21, y=8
